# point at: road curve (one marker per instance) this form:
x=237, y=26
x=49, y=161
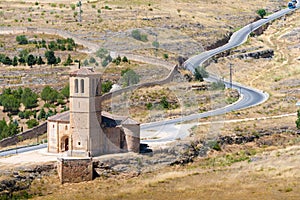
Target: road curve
x=250, y=96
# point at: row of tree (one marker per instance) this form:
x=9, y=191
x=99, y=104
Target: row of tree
x=12, y=99
x=60, y=44
x=7, y=130
x=30, y=60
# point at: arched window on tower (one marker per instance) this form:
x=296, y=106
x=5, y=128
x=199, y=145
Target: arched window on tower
x=76, y=86
x=82, y=85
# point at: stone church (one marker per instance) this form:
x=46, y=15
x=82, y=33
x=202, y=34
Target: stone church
x=85, y=130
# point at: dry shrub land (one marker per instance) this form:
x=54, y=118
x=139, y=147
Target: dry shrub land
x=180, y=25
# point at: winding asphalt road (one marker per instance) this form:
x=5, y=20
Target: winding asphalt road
x=167, y=130
x=249, y=96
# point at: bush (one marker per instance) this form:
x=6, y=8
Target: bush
x=218, y=85
x=149, y=106
x=166, y=56
x=164, y=103
x=73, y=6
x=261, y=12
x=32, y=123
x=92, y=60
x=21, y=39
x=298, y=120
x=106, y=86
x=214, y=145
x=136, y=34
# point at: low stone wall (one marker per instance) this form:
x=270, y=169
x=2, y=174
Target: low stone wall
x=75, y=170
x=168, y=79
x=29, y=134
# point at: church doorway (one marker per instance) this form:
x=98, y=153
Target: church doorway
x=65, y=144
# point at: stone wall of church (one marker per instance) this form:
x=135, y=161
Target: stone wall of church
x=132, y=133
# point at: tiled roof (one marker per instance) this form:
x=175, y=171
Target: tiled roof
x=108, y=119
x=83, y=71
x=61, y=117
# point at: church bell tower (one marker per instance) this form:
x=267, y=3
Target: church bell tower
x=86, y=135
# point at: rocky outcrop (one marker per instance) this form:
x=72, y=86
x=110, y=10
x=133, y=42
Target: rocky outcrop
x=268, y=53
x=19, y=180
x=200, y=148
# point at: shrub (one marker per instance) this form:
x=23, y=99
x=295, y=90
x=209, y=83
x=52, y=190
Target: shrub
x=21, y=39
x=298, y=120
x=214, y=145
x=73, y=6
x=136, y=34
x=32, y=123
x=149, y=106
x=164, y=103
x=219, y=85
x=261, y=12
x=92, y=60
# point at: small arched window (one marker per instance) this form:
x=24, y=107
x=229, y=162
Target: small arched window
x=66, y=127
x=82, y=85
x=76, y=86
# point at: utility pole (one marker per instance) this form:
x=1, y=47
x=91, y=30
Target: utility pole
x=230, y=73
x=79, y=5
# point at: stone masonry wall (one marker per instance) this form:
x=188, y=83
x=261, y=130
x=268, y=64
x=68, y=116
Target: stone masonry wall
x=29, y=134
x=75, y=170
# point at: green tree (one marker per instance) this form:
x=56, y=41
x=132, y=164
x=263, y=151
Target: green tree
x=49, y=95
x=261, y=12
x=23, y=56
x=7, y=61
x=298, y=119
x=42, y=114
x=31, y=60
x=69, y=61
x=51, y=59
x=15, y=61
x=106, y=86
x=40, y=61
x=102, y=53
x=32, y=123
x=21, y=39
x=166, y=56
x=29, y=98
x=200, y=73
x=136, y=34
x=2, y=57
x=92, y=60
x=85, y=62
x=130, y=78
x=10, y=103
x=58, y=60
x=125, y=59
x=117, y=61
x=66, y=91
x=164, y=103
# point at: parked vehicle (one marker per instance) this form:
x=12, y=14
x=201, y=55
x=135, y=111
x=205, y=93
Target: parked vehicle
x=292, y=4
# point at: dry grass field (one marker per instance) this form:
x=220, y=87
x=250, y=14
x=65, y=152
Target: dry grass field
x=192, y=24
